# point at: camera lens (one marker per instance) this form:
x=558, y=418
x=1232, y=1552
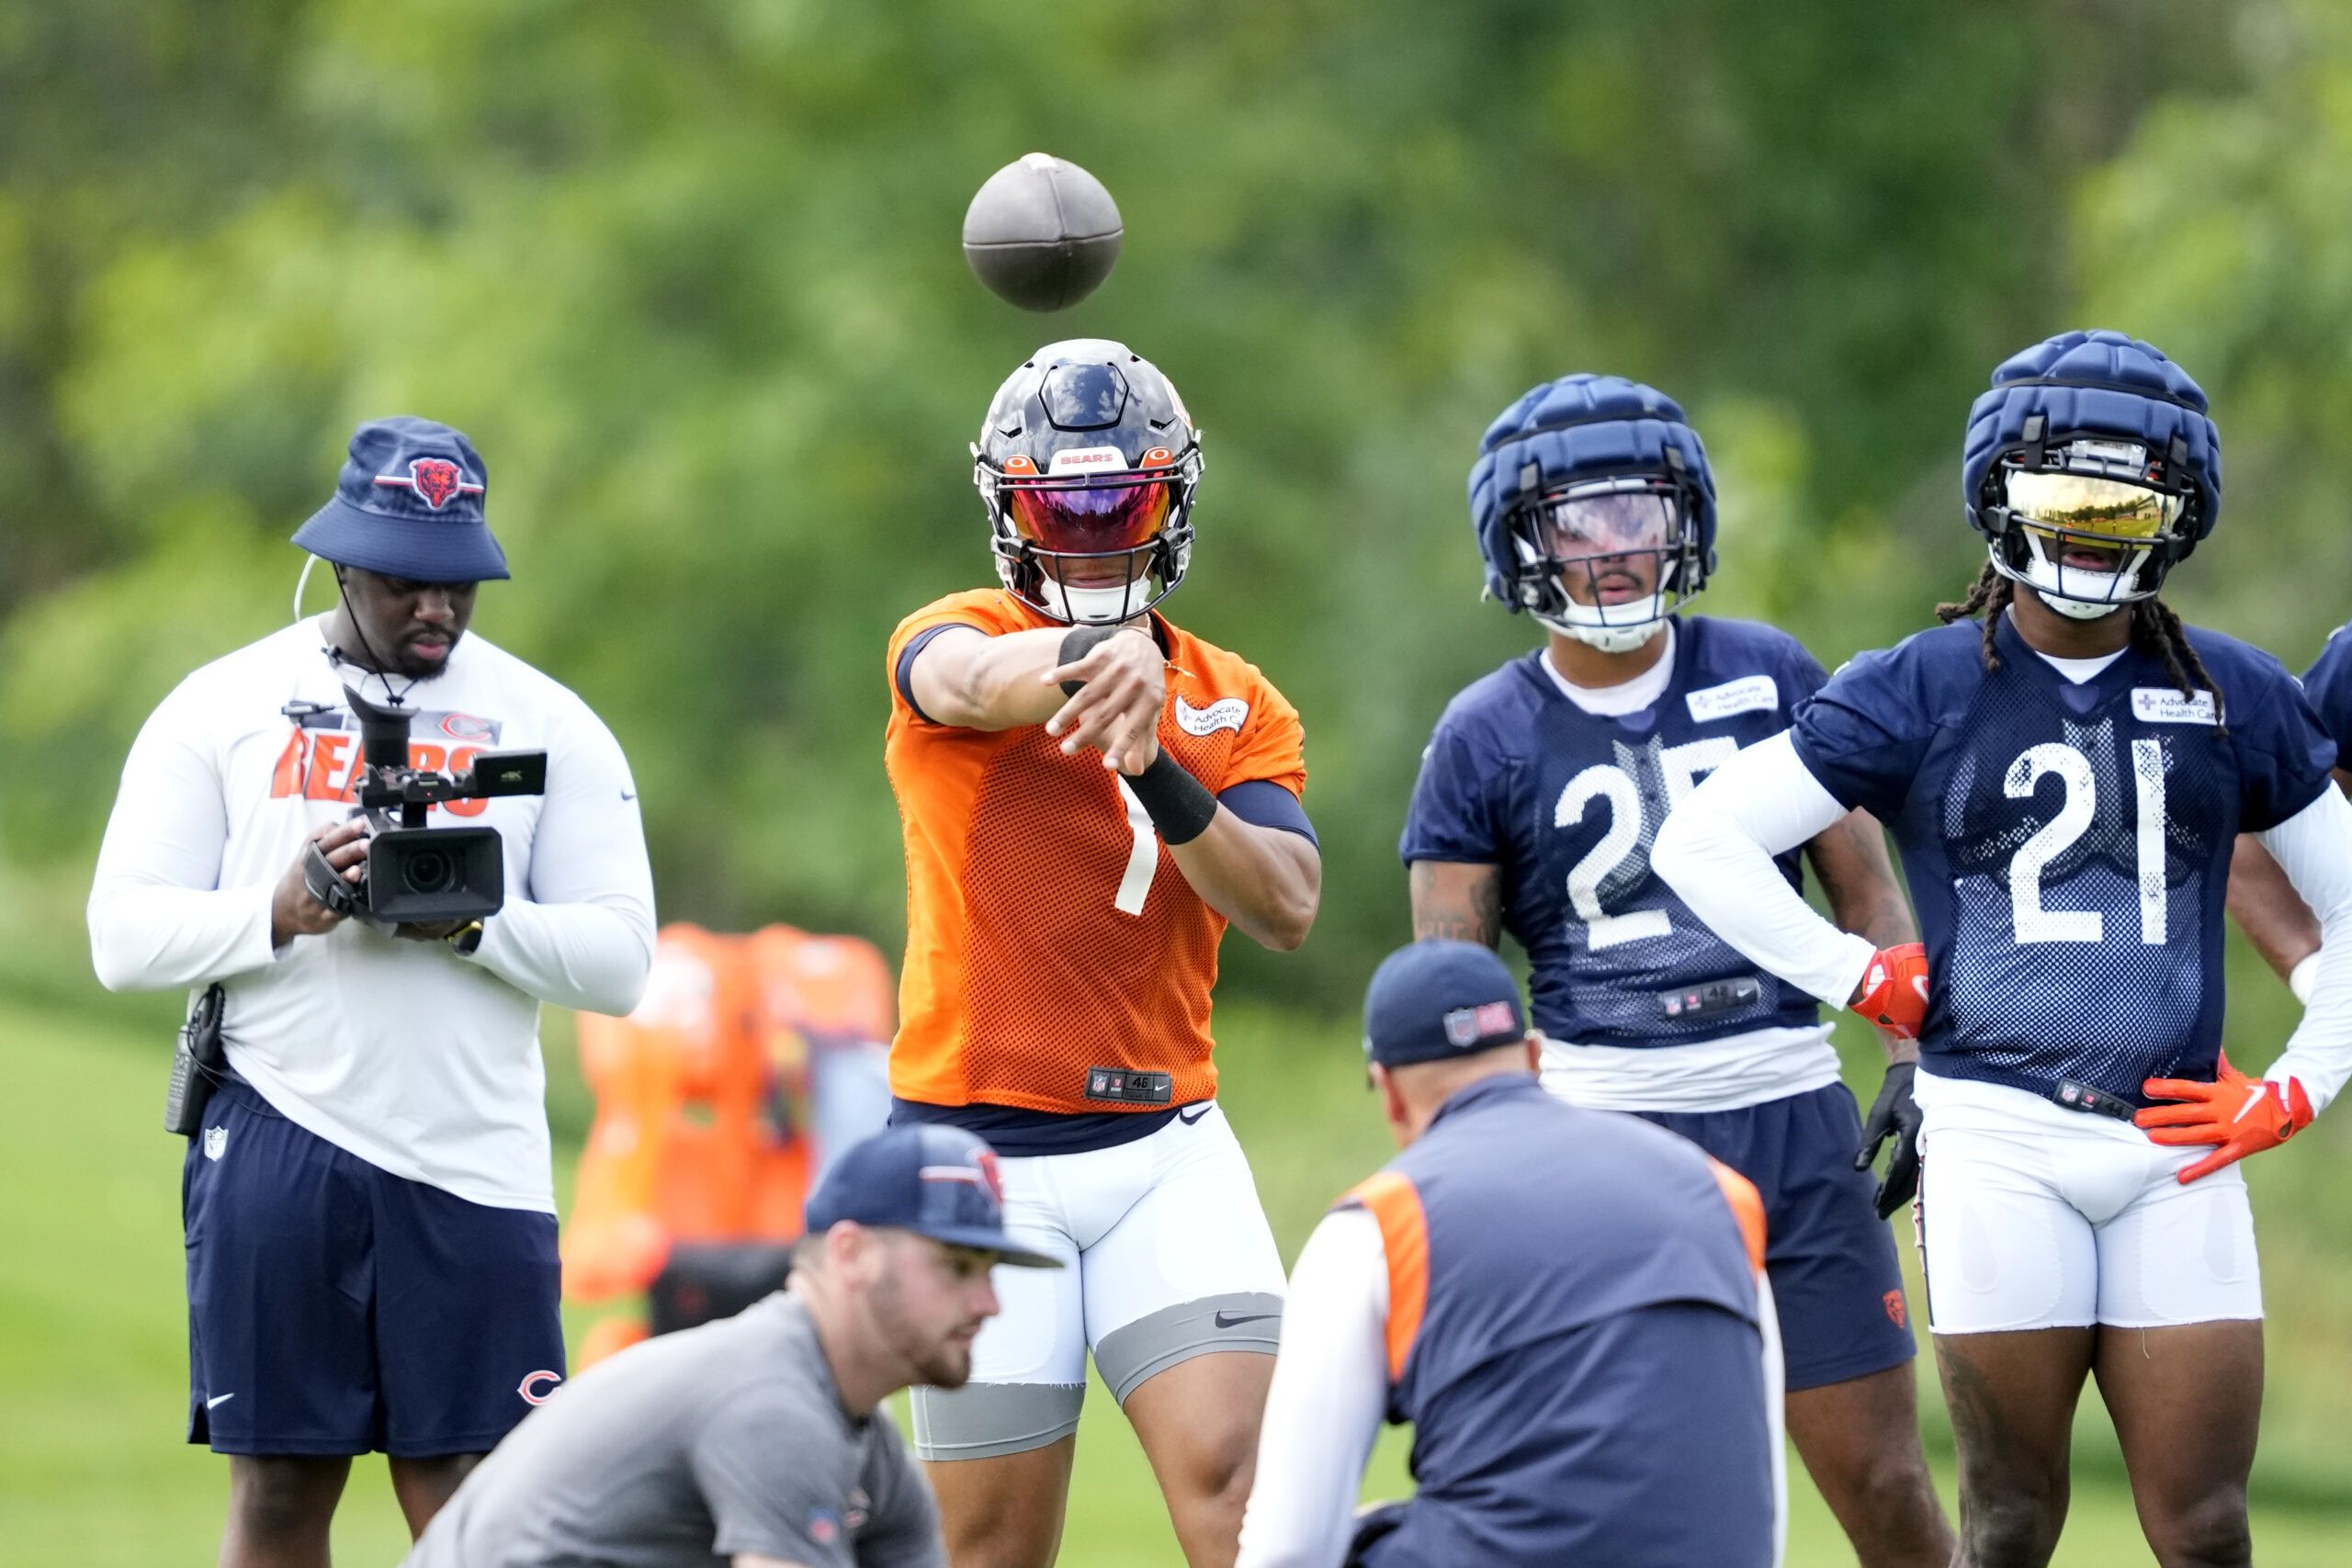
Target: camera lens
x=429, y=871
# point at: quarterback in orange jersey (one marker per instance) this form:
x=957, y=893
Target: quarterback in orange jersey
x=1089, y=797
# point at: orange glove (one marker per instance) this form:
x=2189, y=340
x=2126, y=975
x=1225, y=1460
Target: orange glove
x=2241, y=1115
x=1893, y=992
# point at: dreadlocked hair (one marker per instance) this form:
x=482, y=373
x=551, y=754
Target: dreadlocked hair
x=1988, y=595
x=2154, y=624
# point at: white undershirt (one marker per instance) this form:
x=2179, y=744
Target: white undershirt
x=2078, y=670
x=1632, y=696
x=1716, y=852
x=1330, y=1394
x=418, y=1060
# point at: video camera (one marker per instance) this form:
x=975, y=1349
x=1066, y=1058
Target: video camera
x=415, y=874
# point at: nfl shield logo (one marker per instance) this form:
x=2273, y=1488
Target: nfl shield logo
x=216, y=1141
x=1462, y=1026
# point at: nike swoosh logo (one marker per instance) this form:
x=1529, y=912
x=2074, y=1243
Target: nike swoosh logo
x=628, y=795
x=217, y=1399
x=1197, y=1112
x=1228, y=1320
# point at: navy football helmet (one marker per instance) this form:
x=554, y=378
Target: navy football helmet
x=2092, y=469
x=1575, y=482
x=1088, y=464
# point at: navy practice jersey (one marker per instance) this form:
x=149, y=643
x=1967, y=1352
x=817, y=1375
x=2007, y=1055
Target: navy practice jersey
x=1567, y=802
x=2328, y=684
x=2067, y=846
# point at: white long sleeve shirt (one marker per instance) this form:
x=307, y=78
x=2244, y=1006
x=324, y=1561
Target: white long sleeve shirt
x=417, y=1059
x=1716, y=851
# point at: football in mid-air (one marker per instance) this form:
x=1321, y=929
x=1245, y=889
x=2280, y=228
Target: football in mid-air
x=1043, y=233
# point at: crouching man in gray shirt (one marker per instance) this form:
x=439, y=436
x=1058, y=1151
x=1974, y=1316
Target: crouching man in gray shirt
x=754, y=1440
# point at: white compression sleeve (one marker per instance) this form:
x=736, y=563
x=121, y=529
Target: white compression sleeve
x=1330, y=1392
x=2313, y=847
x=584, y=937
x=158, y=918
x=1716, y=851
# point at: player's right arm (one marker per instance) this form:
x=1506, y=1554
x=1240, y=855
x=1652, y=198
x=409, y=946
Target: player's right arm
x=967, y=679
x=1454, y=842
x=1456, y=901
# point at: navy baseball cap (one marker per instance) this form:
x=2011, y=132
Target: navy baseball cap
x=408, y=503
x=1436, y=1000
x=927, y=1177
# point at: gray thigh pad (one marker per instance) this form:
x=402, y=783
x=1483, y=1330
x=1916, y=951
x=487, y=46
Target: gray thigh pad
x=987, y=1420
x=1243, y=1320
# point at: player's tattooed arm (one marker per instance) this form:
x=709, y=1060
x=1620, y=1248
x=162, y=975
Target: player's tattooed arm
x=1850, y=859
x=1457, y=900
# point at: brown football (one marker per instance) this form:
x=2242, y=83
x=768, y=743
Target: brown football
x=1042, y=233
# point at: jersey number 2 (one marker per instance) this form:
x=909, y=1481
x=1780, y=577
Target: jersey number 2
x=2055, y=837
x=1682, y=765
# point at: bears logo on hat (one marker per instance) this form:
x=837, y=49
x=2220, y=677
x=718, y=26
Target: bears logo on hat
x=435, y=480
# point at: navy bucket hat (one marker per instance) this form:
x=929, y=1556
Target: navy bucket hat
x=408, y=503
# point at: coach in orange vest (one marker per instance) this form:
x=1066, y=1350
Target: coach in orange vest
x=1563, y=1303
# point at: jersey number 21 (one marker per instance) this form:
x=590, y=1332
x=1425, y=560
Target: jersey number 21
x=2076, y=810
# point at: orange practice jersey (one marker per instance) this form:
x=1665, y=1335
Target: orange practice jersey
x=1048, y=932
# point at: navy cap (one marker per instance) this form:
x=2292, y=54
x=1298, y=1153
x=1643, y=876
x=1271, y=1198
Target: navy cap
x=927, y=1177
x=1436, y=1000
x=408, y=503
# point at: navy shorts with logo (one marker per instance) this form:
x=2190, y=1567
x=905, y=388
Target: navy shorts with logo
x=1830, y=1258
x=334, y=1308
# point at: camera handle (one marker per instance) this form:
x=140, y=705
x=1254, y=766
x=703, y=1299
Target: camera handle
x=326, y=884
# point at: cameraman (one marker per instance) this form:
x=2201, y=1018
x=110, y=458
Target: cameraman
x=371, y=1218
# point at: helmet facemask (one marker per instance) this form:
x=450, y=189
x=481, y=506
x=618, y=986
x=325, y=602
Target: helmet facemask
x=2090, y=525
x=1606, y=561
x=1093, y=543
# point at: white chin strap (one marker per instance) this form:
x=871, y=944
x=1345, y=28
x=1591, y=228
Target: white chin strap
x=1586, y=623
x=1095, y=607
x=2109, y=590
x=301, y=583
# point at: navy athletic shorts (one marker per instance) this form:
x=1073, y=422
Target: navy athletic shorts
x=334, y=1308
x=1830, y=1258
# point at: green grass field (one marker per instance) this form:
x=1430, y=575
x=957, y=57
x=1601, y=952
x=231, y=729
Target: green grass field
x=92, y=1338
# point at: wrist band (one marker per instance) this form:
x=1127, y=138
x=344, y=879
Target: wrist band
x=1077, y=643
x=1179, y=805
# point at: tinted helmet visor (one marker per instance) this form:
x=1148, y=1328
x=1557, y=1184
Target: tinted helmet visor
x=1089, y=517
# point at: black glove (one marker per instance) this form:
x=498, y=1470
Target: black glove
x=1894, y=1115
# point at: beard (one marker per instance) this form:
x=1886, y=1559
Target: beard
x=935, y=1359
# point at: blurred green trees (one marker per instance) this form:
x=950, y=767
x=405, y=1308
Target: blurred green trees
x=688, y=276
